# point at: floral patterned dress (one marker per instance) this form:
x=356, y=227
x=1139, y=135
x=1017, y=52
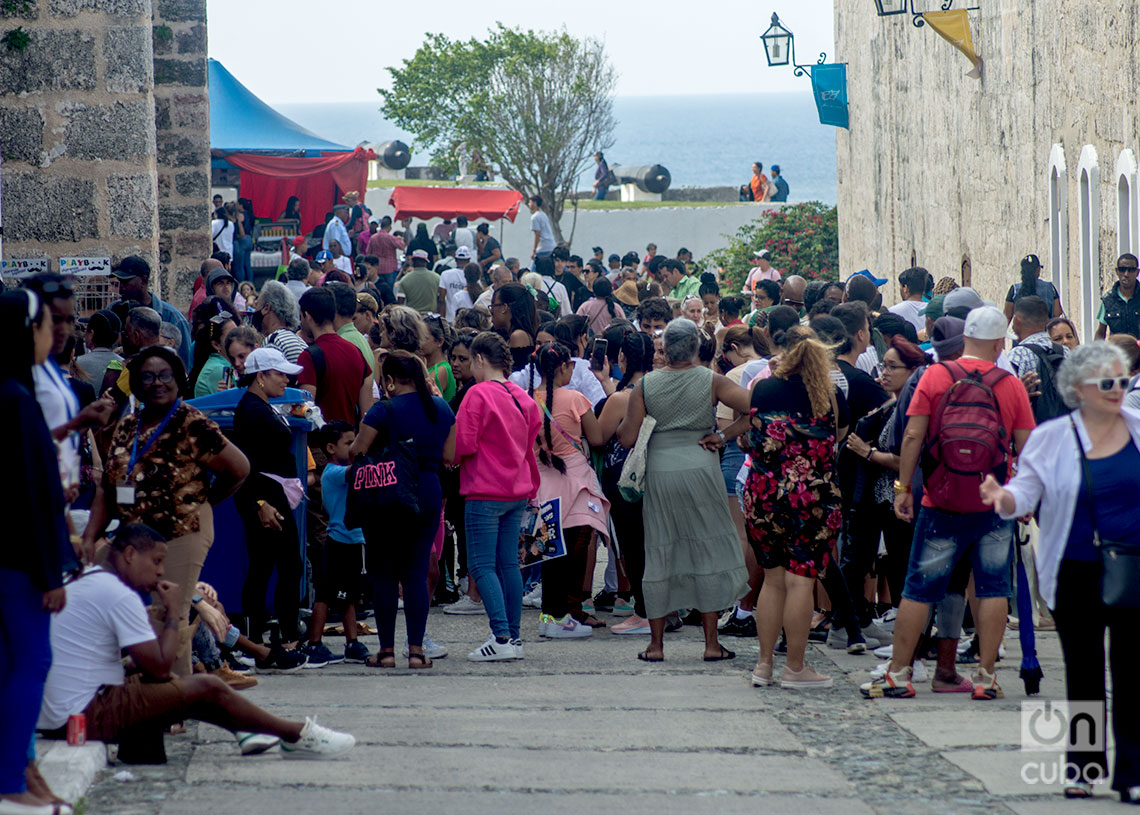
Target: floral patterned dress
x=792, y=502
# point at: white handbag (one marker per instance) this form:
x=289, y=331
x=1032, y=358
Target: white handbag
x=631, y=484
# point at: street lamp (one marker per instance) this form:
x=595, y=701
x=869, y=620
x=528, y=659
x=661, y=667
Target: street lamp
x=780, y=47
x=777, y=43
x=889, y=8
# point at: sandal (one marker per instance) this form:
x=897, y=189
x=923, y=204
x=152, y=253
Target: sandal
x=724, y=654
x=424, y=662
x=591, y=621
x=644, y=657
x=380, y=659
x=1078, y=789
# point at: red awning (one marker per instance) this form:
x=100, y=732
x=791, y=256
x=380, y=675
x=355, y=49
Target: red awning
x=448, y=202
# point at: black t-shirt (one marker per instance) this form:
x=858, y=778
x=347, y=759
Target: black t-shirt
x=864, y=394
x=576, y=289
x=489, y=246
x=264, y=436
x=775, y=395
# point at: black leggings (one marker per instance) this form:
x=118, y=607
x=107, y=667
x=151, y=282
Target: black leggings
x=562, y=577
x=396, y=553
x=898, y=535
x=270, y=549
x=630, y=528
x=862, y=527
x=1081, y=620
x=453, y=512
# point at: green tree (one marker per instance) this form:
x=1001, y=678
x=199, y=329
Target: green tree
x=534, y=105
x=802, y=238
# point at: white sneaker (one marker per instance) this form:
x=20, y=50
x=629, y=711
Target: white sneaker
x=493, y=651
x=465, y=605
x=463, y=583
x=566, y=629
x=533, y=598
x=252, y=744
x=885, y=651
x=544, y=621
x=518, y=648
x=318, y=741
x=920, y=674
x=880, y=670
x=432, y=649
x=887, y=621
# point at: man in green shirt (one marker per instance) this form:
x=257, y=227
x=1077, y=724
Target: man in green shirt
x=419, y=286
x=680, y=284
x=345, y=297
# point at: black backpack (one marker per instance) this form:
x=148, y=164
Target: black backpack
x=1048, y=404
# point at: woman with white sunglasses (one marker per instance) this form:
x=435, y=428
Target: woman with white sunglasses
x=1087, y=495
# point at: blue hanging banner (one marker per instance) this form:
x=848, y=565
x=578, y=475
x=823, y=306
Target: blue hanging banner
x=829, y=84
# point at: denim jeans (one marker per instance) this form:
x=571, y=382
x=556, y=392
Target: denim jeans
x=942, y=539
x=25, y=656
x=493, y=560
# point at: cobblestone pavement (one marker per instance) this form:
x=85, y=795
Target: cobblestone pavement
x=582, y=725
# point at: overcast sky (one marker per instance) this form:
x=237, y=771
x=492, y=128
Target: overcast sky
x=309, y=51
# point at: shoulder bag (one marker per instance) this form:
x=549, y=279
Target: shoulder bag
x=384, y=480
x=631, y=483
x=1120, y=562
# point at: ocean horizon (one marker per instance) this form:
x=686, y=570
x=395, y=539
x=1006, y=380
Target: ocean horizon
x=703, y=140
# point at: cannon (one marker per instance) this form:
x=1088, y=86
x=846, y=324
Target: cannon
x=651, y=178
x=393, y=155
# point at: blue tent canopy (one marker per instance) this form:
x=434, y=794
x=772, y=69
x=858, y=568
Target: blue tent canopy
x=239, y=121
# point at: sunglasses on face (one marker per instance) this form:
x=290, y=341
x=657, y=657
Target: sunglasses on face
x=1126, y=269
x=1109, y=384
x=147, y=378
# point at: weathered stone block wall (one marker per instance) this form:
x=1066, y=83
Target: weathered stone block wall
x=182, y=118
x=77, y=130
x=950, y=168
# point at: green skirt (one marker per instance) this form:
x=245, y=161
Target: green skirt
x=693, y=555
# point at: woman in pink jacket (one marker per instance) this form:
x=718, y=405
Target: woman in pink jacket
x=498, y=474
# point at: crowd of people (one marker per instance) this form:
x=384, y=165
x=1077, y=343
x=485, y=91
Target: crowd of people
x=794, y=463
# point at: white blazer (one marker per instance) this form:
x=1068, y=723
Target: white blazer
x=1049, y=473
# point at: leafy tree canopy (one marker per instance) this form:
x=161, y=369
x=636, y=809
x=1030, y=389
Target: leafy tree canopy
x=533, y=105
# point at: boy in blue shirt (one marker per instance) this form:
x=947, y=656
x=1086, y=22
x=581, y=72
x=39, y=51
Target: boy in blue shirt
x=338, y=565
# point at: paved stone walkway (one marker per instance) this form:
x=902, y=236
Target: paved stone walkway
x=583, y=727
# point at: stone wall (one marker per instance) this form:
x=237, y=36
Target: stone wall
x=956, y=172
x=182, y=118
x=77, y=130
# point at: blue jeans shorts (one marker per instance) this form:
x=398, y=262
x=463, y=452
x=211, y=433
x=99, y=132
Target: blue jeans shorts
x=942, y=539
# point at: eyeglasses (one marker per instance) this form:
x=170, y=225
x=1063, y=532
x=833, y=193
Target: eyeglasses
x=1109, y=383
x=146, y=379
x=498, y=305
x=889, y=367
x=1126, y=269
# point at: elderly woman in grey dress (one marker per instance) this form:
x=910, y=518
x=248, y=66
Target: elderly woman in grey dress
x=693, y=558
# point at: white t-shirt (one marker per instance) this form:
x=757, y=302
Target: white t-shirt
x=59, y=405
x=465, y=236
x=484, y=299
x=452, y=282
x=463, y=299
x=102, y=616
x=868, y=361
x=910, y=310
x=344, y=263
x=556, y=290
x=581, y=380
x=225, y=238
x=540, y=223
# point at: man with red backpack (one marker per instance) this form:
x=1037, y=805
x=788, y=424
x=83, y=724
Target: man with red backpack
x=967, y=419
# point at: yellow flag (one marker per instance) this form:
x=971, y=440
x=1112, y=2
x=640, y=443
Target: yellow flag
x=954, y=27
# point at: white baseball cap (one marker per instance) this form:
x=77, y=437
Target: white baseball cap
x=269, y=358
x=462, y=253
x=984, y=323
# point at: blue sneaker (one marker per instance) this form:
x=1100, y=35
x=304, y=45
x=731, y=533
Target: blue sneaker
x=319, y=655
x=356, y=651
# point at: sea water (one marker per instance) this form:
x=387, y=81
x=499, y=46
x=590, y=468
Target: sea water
x=703, y=140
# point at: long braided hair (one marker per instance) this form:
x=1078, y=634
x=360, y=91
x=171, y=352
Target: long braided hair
x=638, y=349
x=547, y=360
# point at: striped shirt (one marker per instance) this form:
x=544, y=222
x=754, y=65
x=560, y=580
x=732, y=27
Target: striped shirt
x=287, y=342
